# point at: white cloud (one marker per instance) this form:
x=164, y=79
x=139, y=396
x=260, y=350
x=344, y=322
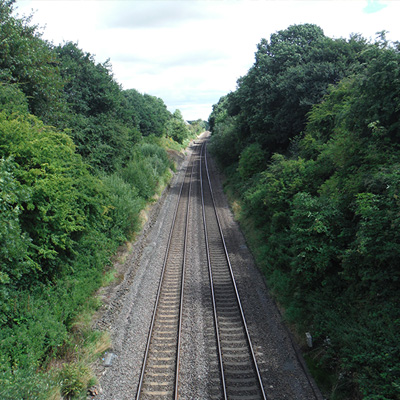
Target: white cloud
x=153, y=14
x=190, y=53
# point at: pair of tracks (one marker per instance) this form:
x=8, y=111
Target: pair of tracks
x=239, y=374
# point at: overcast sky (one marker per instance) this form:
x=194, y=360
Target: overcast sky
x=190, y=53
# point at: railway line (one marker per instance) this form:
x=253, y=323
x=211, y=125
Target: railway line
x=159, y=375
x=238, y=374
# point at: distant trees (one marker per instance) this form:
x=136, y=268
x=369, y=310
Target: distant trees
x=309, y=142
x=198, y=126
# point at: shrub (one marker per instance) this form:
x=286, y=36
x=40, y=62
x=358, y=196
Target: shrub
x=124, y=205
x=74, y=379
x=251, y=161
x=148, y=164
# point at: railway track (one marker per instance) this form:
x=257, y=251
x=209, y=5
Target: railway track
x=238, y=371
x=240, y=376
x=159, y=374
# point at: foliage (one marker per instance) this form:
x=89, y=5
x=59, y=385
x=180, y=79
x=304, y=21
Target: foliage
x=123, y=208
x=252, y=161
x=147, y=113
x=324, y=212
x=70, y=193
x=224, y=141
x=96, y=118
x=89, y=87
x=59, y=225
x=29, y=61
x=62, y=192
x=15, y=243
x=291, y=73
x=74, y=379
x=177, y=128
x=197, y=127
x=25, y=384
x=12, y=99
x=149, y=163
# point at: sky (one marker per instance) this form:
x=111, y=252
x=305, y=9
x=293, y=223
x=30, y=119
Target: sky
x=191, y=52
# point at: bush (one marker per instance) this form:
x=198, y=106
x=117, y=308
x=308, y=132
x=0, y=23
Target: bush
x=251, y=161
x=14, y=258
x=74, y=379
x=124, y=206
x=63, y=195
x=148, y=164
x=177, y=128
x=223, y=142
x=21, y=384
x=12, y=99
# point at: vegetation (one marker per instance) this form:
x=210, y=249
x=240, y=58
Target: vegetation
x=79, y=160
x=309, y=143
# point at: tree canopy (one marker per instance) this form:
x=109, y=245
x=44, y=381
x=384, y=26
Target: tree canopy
x=28, y=61
x=291, y=73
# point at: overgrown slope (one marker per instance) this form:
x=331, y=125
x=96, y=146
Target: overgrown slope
x=310, y=145
x=79, y=159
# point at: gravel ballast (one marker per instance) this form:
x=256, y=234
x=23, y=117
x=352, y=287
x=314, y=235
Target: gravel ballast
x=128, y=308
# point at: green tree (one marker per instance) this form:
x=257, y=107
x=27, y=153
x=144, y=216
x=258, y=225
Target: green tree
x=197, y=127
x=97, y=120
x=14, y=252
x=224, y=142
x=177, y=129
x=324, y=214
x=291, y=73
x=252, y=161
x=148, y=113
x=29, y=61
x=12, y=99
x=90, y=88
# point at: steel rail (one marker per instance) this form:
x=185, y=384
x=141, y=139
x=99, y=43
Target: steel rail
x=182, y=288
x=223, y=382
x=146, y=354
x=233, y=281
